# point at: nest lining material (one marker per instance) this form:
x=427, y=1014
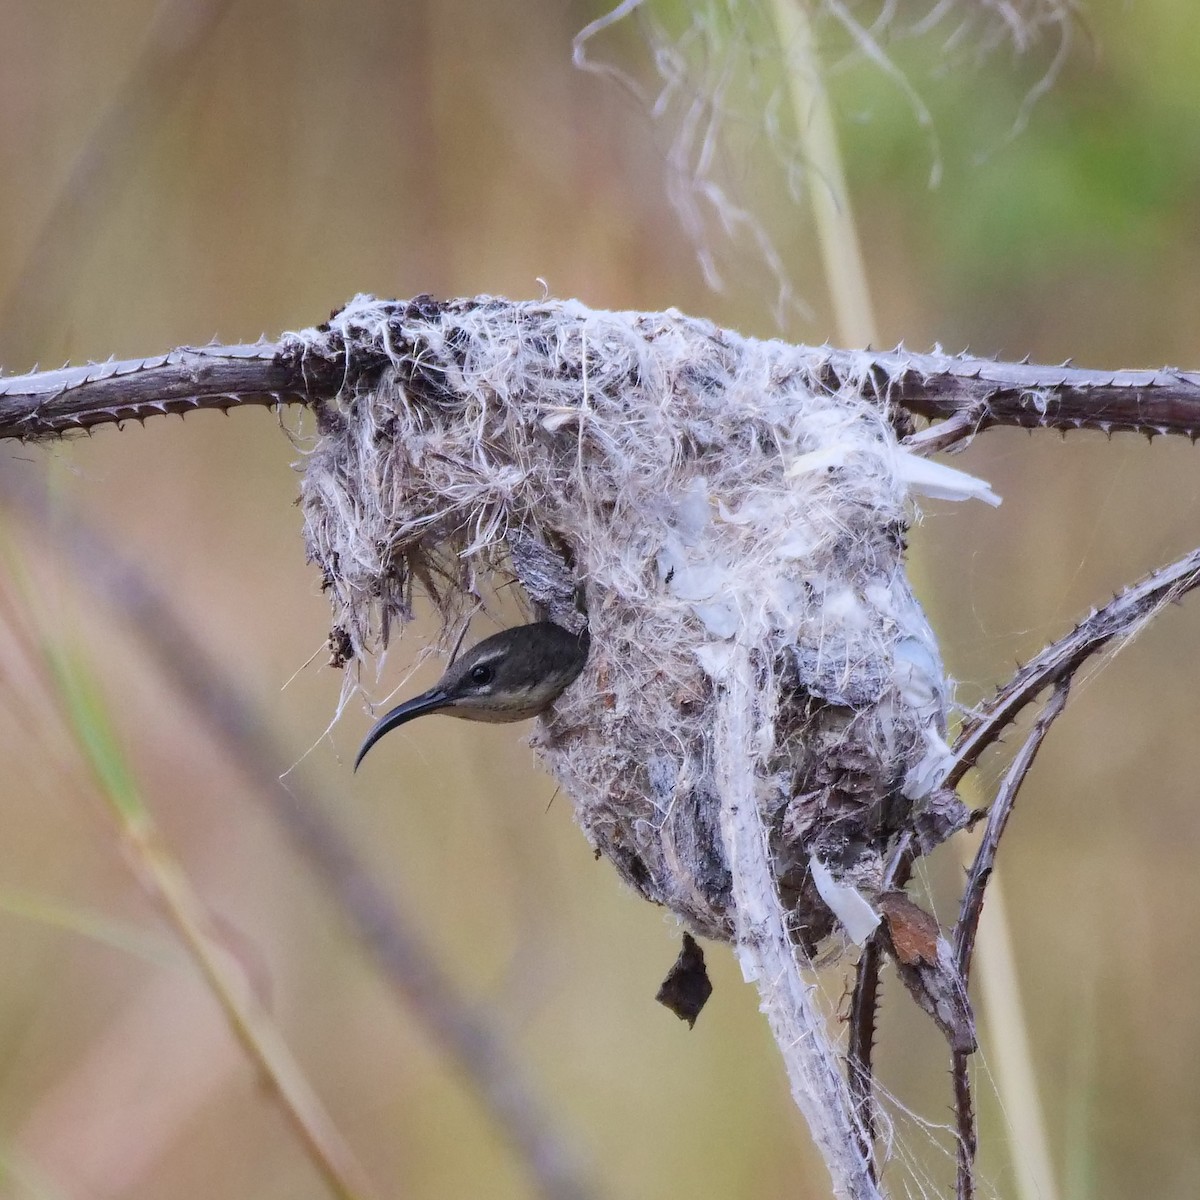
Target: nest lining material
x=705, y=502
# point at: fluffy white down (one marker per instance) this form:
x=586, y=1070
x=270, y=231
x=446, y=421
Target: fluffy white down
x=691, y=491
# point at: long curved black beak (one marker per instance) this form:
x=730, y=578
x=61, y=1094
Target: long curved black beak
x=418, y=706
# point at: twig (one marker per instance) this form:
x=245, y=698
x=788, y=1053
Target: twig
x=1001, y=809
x=1055, y=665
x=48, y=404
x=971, y=907
x=951, y=434
x=966, y=1127
x=463, y=1034
x=1059, y=661
x=935, y=386
x=864, y=1006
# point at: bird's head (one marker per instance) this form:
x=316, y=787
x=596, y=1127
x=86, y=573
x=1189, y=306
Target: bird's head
x=507, y=677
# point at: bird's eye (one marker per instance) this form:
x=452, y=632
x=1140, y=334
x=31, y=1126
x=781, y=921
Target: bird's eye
x=482, y=674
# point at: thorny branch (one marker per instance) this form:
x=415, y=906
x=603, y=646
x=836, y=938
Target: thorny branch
x=969, y=394
x=864, y=1005
x=1055, y=667
x=966, y=395
x=969, y=913
x=971, y=906
x=864, y=1000
x=1121, y=617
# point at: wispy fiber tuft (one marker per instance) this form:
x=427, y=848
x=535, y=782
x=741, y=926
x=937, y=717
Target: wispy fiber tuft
x=684, y=491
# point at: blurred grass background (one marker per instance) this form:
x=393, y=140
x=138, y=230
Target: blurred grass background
x=295, y=155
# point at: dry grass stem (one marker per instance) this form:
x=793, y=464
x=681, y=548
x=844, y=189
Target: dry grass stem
x=167, y=882
x=461, y=1031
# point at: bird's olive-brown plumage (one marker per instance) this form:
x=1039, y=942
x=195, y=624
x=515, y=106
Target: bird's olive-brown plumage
x=507, y=677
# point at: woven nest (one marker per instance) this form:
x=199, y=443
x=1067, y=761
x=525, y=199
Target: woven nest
x=683, y=492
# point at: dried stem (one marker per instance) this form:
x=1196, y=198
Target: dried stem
x=864, y=1006
x=463, y=1034
x=864, y=1000
x=971, y=907
x=1121, y=617
x=165, y=880
x=1001, y=809
x=248, y=1018
x=1056, y=665
x=837, y=234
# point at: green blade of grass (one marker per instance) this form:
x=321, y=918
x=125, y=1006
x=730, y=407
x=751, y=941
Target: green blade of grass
x=119, y=935
x=162, y=874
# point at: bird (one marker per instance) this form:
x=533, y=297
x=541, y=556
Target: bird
x=510, y=676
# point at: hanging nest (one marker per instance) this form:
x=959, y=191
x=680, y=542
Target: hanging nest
x=686, y=493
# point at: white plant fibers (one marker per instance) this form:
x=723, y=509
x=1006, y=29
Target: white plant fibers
x=681, y=489
x=728, y=518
